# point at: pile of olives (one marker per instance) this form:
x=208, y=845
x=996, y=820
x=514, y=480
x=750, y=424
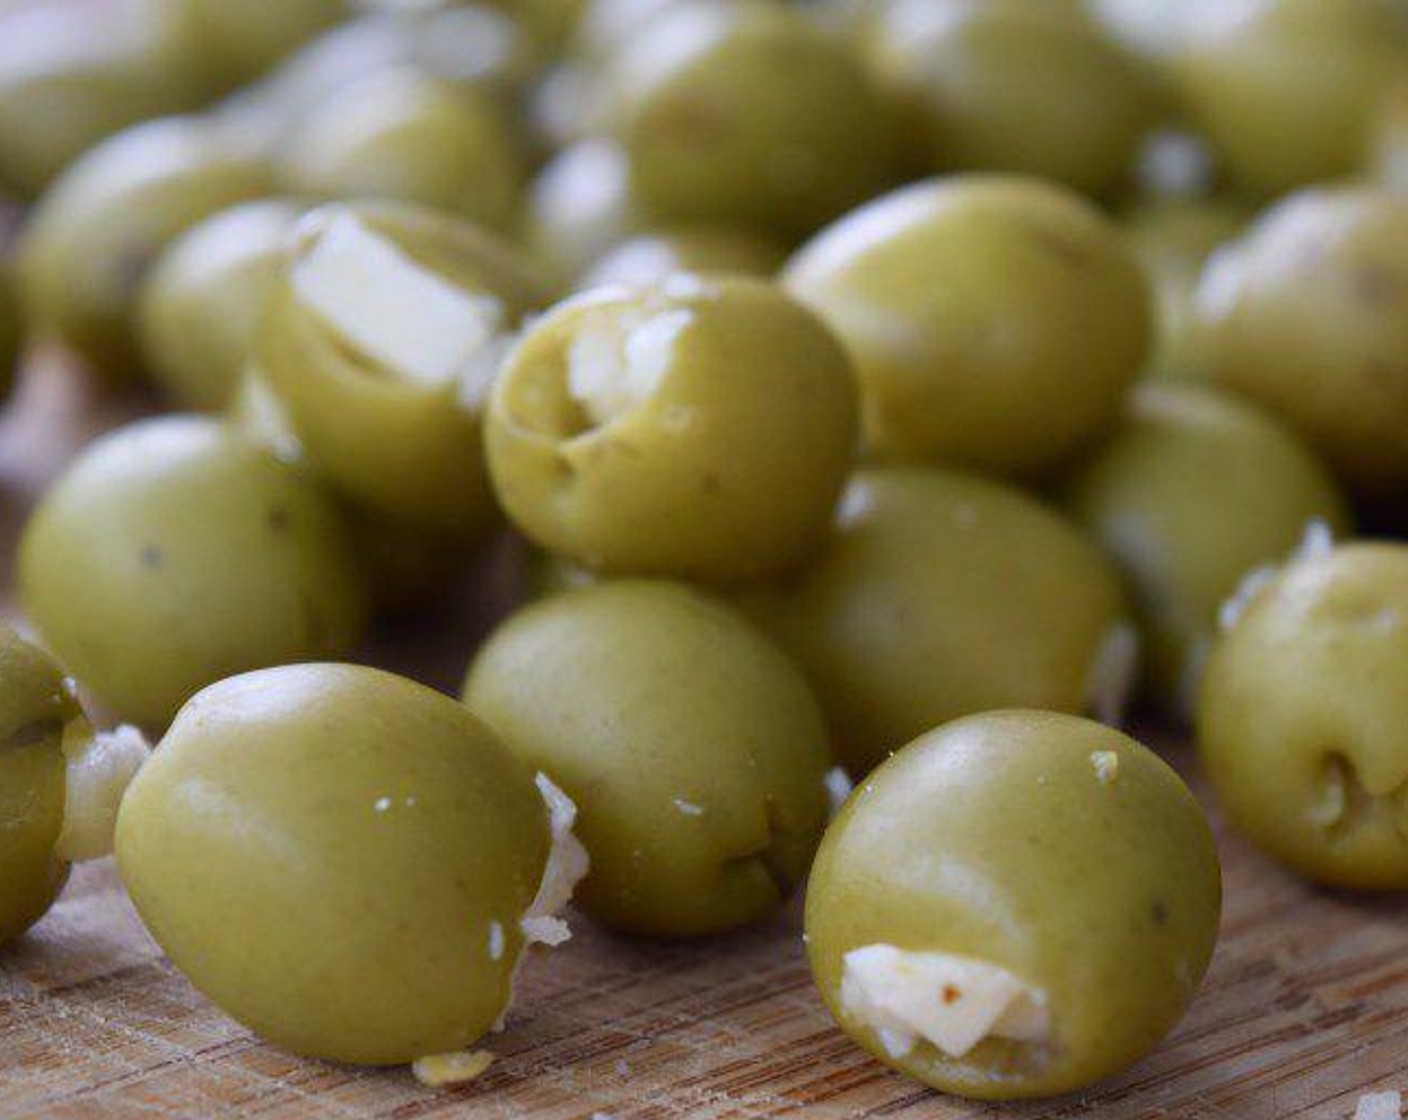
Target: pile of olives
x=903, y=393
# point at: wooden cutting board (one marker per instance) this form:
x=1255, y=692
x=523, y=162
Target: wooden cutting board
x=1306, y=1006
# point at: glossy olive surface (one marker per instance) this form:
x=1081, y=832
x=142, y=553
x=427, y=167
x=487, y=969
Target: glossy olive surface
x=1026, y=86
x=1308, y=315
x=201, y=303
x=693, y=748
x=403, y=442
x=1286, y=89
x=35, y=706
x=1194, y=491
x=174, y=552
x=339, y=858
x=702, y=428
x=75, y=71
x=650, y=258
x=939, y=595
x=995, y=321
x=1302, y=713
x=407, y=136
x=748, y=113
x=1049, y=846
x=90, y=242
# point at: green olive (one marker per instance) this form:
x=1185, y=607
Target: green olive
x=379, y=340
x=60, y=782
x=343, y=860
x=579, y=206
x=995, y=321
x=1308, y=315
x=231, y=42
x=1387, y=160
x=93, y=237
x=176, y=551
x=1286, y=88
x=693, y=747
x=1026, y=86
x=940, y=595
x=407, y=136
x=1302, y=713
x=75, y=71
x=700, y=428
x=1018, y=904
x=10, y=333
x=201, y=302
x=651, y=258
x=1195, y=490
x=1173, y=239
x=748, y=114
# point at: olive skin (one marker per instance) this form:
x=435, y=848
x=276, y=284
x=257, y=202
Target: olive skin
x=995, y=321
x=748, y=114
x=91, y=240
x=1195, y=490
x=231, y=42
x=1001, y=838
x=701, y=428
x=1022, y=86
x=1173, y=239
x=73, y=72
x=651, y=258
x=939, y=595
x=404, y=449
x=174, y=552
x=324, y=851
x=1301, y=717
x=1286, y=89
x=404, y=136
x=35, y=707
x=201, y=303
x=1308, y=315
x=692, y=746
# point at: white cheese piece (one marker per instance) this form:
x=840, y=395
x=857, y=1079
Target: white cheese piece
x=567, y=864
x=952, y=1002
x=386, y=305
x=1317, y=541
x=1106, y=765
x=98, y=769
x=614, y=366
x=1379, y=1106
x=437, y=1070
x=838, y=788
x=1114, y=671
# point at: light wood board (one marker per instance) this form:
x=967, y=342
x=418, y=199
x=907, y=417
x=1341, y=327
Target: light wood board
x=1306, y=1006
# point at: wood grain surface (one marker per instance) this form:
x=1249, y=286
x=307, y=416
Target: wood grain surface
x=1306, y=1006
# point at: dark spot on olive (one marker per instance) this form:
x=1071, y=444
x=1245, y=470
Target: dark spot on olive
x=151, y=556
x=1159, y=912
x=711, y=483
x=278, y=519
x=951, y=994
x=1069, y=253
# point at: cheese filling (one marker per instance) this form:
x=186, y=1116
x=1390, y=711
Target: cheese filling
x=950, y=1001
x=391, y=308
x=614, y=365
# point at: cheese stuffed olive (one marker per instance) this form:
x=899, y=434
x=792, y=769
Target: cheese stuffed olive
x=1027, y=86
x=942, y=594
x=380, y=339
x=176, y=551
x=650, y=258
x=692, y=746
x=93, y=237
x=345, y=861
x=701, y=428
x=1307, y=314
x=1302, y=713
x=200, y=305
x=995, y=321
x=60, y=782
x=1018, y=904
x=1195, y=490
